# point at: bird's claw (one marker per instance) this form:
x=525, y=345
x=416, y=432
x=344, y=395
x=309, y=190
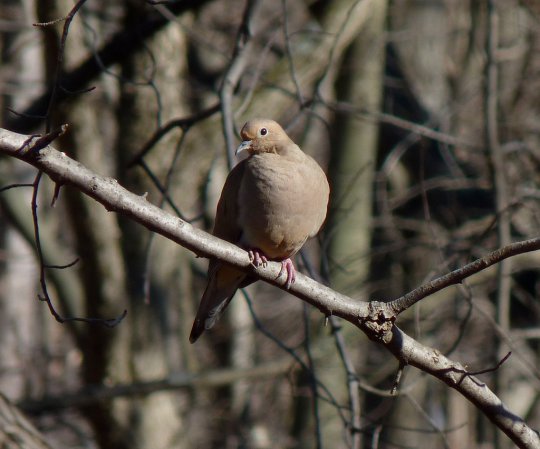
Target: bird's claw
x=287, y=267
x=257, y=258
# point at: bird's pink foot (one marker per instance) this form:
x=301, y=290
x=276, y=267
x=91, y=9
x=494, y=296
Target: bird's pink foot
x=287, y=267
x=257, y=258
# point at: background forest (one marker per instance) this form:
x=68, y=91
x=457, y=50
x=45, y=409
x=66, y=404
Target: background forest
x=425, y=116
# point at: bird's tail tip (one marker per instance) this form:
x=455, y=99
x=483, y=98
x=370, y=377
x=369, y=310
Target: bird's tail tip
x=196, y=332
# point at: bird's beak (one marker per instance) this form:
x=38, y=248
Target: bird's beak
x=245, y=145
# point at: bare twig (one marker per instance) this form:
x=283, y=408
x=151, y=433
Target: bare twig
x=353, y=385
x=398, y=122
x=164, y=198
x=63, y=267
x=455, y=277
x=16, y=185
x=353, y=382
x=60, y=60
x=31, y=145
x=397, y=379
x=327, y=396
x=239, y=61
x=312, y=379
x=493, y=368
x=42, y=265
x=290, y=57
x=435, y=427
x=183, y=123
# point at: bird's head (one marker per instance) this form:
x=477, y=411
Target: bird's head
x=263, y=136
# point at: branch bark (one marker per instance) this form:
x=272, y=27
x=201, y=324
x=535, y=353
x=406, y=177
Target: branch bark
x=374, y=318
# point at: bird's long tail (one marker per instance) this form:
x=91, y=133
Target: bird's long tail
x=223, y=282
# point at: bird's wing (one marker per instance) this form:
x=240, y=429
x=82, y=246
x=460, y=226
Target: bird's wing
x=223, y=280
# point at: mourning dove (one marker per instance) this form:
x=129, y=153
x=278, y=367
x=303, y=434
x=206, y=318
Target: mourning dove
x=271, y=203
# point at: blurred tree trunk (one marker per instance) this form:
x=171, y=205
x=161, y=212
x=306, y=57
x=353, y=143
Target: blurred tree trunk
x=423, y=56
x=153, y=282
x=353, y=157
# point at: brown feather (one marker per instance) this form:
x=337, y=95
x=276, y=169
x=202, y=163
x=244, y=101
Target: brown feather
x=273, y=201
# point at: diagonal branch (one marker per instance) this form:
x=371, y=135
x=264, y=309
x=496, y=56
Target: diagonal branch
x=456, y=376
x=376, y=319
x=457, y=276
x=115, y=198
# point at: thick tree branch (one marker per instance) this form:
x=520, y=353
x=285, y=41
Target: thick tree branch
x=115, y=198
x=374, y=318
x=456, y=376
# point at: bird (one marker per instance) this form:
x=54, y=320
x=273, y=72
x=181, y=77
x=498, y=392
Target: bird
x=271, y=203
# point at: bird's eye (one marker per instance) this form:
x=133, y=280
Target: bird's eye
x=263, y=131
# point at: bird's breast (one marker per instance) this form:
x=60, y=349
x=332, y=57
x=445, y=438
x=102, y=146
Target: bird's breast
x=281, y=203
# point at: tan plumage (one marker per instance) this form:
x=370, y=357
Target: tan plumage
x=271, y=203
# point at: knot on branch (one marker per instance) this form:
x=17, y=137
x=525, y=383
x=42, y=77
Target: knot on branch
x=379, y=322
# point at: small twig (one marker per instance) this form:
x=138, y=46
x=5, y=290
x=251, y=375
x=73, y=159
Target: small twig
x=49, y=23
x=375, y=438
x=31, y=146
x=436, y=428
x=56, y=193
x=312, y=379
x=401, y=123
x=499, y=171
x=397, y=379
x=62, y=267
x=78, y=91
x=490, y=370
x=16, y=185
x=25, y=115
x=44, y=297
x=328, y=397
x=289, y=54
x=166, y=195
x=353, y=382
x=455, y=277
x=234, y=72
x=183, y=123
x=60, y=59
x=256, y=75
